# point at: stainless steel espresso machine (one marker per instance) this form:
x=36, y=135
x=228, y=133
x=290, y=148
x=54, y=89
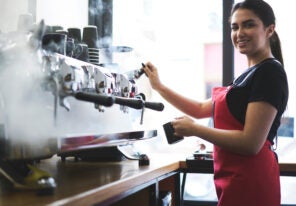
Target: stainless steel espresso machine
x=52, y=103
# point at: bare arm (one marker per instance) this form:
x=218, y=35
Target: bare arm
x=249, y=141
x=188, y=106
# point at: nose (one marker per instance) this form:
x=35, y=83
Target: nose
x=240, y=32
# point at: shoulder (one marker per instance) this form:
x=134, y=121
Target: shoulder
x=270, y=66
x=270, y=71
x=270, y=84
x=265, y=72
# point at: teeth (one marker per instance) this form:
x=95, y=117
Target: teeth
x=242, y=41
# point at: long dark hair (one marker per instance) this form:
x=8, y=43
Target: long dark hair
x=264, y=12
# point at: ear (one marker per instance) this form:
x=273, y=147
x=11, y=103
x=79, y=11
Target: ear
x=270, y=30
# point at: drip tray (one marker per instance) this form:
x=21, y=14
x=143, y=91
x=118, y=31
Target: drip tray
x=103, y=147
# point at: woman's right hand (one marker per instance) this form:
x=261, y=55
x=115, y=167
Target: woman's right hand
x=152, y=73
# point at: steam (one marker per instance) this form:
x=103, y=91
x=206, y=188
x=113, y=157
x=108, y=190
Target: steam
x=26, y=113
x=27, y=108
x=99, y=7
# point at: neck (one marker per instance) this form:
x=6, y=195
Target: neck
x=257, y=58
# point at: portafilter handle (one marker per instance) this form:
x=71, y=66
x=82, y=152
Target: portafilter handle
x=99, y=99
x=158, y=106
x=130, y=102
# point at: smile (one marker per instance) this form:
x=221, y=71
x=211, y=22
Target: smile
x=242, y=43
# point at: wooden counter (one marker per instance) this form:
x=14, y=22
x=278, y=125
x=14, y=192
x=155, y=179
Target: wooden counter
x=99, y=183
x=288, y=169
x=89, y=183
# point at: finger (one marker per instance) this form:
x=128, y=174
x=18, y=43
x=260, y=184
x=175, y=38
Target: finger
x=179, y=118
x=146, y=68
x=150, y=66
x=172, y=123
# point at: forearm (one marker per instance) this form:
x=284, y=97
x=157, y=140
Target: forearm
x=230, y=140
x=188, y=106
x=248, y=141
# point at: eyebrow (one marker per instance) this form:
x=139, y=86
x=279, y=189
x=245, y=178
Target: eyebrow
x=245, y=22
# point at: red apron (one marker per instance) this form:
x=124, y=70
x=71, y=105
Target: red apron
x=242, y=180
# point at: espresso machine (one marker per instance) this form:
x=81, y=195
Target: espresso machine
x=54, y=104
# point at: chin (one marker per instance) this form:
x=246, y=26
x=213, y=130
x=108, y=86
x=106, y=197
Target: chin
x=242, y=51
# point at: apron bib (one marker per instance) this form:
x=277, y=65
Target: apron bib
x=242, y=180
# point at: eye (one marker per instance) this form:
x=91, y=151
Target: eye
x=249, y=24
x=234, y=27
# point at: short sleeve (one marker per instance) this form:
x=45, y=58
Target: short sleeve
x=270, y=85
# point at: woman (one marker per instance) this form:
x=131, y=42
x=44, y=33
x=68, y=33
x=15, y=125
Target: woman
x=246, y=114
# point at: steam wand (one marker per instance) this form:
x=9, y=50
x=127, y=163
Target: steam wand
x=158, y=106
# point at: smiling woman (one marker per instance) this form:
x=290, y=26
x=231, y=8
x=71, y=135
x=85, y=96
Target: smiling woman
x=243, y=135
x=283, y=13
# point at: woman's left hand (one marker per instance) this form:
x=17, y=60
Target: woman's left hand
x=184, y=126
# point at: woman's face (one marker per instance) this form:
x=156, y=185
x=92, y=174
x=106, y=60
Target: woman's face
x=248, y=33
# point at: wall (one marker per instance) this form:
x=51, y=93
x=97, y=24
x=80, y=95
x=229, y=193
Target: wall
x=9, y=12
x=67, y=13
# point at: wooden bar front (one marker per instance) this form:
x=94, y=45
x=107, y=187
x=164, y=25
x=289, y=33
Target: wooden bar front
x=112, y=183
x=103, y=183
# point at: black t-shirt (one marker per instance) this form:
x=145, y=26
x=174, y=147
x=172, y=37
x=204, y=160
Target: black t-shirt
x=266, y=81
